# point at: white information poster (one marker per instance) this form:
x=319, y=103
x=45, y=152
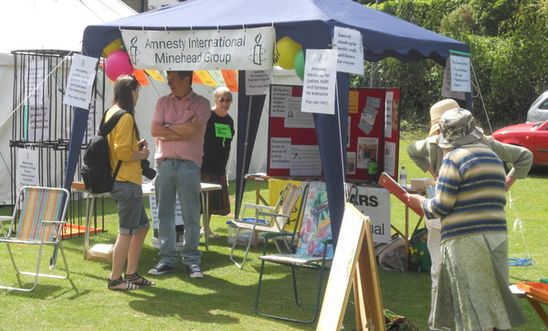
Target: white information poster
x=27, y=168
x=37, y=83
x=240, y=49
x=348, y=43
x=369, y=114
x=279, y=99
x=294, y=118
x=320, y=76
x=304, y=160
x=388, y=114
x=375, y=203
x=257, y=82
x=366, y=151
x=350, y=163
x=36, y=109
x=390, y=158
x=446, y=84
x=279, y=148
x=460, y=73
x=93, y=116
x=80, y=81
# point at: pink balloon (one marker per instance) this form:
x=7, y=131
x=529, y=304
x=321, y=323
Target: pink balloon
x=118, y=63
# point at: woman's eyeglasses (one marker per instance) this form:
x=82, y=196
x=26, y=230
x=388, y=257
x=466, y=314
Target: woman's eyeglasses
x=228, y=100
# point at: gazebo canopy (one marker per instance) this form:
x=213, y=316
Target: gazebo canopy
x=308, y=22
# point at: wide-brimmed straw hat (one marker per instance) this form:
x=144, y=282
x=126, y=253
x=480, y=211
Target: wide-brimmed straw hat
x=437, y=110
x=457, y=129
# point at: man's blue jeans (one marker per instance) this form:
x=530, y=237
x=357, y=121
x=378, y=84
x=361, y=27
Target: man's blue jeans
x=178, y=178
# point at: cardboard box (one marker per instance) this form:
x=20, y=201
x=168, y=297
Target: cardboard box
x=420, y=184
x=100, y=252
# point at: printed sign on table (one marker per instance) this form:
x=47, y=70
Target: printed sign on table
x=154, y=212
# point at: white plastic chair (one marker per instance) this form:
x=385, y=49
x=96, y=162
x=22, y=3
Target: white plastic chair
x=266, y=219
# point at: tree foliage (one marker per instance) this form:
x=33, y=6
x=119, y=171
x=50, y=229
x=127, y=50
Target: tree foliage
x=508, y=41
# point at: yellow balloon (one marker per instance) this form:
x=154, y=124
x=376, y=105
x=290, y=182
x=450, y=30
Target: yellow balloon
x=115, y=45
x=286, y=49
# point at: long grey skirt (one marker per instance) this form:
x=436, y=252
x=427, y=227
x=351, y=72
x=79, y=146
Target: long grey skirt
x=473, y=289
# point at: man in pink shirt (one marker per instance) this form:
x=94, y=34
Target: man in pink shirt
x=178, y=124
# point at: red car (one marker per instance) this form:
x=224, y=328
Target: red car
x=533, y=136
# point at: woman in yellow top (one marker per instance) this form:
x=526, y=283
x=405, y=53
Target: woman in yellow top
x=125, y=146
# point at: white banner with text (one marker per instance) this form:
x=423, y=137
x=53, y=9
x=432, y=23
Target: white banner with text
x=242, y=49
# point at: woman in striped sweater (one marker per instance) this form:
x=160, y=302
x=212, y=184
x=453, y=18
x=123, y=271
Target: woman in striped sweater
x=470, y=196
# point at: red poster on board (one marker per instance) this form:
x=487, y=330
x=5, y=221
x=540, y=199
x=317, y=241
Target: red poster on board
x=292, y=144
x=373, y=134
x=365, y=132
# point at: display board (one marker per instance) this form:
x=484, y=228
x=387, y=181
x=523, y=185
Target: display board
x=354, y=262
x=342, y=269
x=373, y=134
x=368, y=303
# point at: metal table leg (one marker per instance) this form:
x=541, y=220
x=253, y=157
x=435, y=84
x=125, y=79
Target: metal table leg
x=205, y=215
x=90, y=202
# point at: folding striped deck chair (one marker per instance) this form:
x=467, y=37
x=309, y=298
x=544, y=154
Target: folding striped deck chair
x=37, y=220
x=313, y=251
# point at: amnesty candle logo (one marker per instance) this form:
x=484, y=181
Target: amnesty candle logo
x=248, y=49
x=133, y=50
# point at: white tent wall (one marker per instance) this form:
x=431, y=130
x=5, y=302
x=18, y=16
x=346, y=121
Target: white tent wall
x=41, y=24
x=44, y=25
x=6, y=105
x=54, y=24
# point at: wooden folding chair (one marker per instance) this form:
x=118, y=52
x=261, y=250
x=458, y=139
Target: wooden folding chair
x=313, y=250
x=270, y=219
x=38, y=219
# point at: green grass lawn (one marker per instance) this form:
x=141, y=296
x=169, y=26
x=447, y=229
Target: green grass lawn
x=224, y=299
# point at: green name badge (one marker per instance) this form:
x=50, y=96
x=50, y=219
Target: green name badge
x=223, y=131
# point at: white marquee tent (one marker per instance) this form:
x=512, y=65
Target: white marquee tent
x=59, y=24
x=41, y=24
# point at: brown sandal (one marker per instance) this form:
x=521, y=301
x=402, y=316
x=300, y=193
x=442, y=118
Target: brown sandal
x=138, y=280
x=121, y=285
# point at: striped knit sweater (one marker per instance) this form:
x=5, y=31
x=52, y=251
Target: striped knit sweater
x=470, y=193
